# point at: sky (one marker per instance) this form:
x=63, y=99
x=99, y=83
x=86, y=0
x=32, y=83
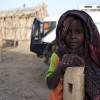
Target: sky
x=54, y=7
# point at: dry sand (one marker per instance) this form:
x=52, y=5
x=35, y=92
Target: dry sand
x=22, y=75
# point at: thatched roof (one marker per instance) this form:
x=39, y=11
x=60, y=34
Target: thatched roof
x=39, y=10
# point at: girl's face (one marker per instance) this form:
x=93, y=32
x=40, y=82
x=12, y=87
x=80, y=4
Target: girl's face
x=75, y=34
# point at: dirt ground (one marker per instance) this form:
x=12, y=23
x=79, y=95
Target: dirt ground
x=22, y=75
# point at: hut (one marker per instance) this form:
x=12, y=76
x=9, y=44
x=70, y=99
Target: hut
x=15, y=25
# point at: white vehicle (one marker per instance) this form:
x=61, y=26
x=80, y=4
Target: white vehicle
x=44, y=32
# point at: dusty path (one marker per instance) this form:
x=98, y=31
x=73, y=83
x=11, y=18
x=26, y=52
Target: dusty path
x=22, y=76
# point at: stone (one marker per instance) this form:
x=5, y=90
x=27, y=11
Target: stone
x=74, y=83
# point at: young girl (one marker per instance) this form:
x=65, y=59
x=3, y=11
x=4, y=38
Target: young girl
x=78, y=41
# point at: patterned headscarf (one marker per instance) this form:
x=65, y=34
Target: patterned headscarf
x=92, y=34
x=91, y=48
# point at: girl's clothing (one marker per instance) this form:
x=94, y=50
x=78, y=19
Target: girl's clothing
x=56, y=94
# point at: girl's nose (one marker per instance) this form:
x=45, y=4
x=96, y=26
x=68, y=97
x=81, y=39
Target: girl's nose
x=73, y=35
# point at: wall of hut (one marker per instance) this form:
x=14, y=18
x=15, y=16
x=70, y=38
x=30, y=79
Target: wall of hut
x=16, y=24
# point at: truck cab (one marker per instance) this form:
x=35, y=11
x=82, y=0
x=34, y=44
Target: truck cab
x=43, y=33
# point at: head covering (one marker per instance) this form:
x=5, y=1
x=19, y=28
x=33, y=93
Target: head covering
x=91, y=50
x=92, y=34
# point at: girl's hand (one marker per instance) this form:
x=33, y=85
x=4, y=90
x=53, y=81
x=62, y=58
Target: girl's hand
x=71, y=60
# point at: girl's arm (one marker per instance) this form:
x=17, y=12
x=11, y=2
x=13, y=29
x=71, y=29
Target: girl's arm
x=53, y=79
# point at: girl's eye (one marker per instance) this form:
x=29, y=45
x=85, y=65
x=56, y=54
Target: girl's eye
x=79, y=31
x=76, y=31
